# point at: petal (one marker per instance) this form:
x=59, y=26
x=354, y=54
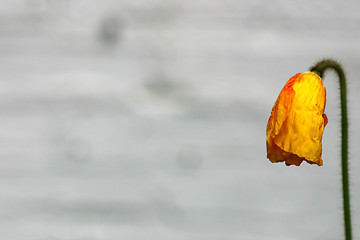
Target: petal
x=280, y=109
x=297, y=121
x=325, y=120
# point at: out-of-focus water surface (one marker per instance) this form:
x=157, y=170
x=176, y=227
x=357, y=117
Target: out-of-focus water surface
x=146, y=119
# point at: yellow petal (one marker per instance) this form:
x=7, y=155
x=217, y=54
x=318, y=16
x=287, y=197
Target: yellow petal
x=295, y=127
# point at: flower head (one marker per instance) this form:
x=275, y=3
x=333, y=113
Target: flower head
x=295, y=127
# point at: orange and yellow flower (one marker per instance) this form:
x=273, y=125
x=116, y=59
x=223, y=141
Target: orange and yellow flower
x=295, y=127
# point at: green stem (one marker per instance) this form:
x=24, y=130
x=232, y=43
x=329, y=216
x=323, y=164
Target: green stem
x=320, y=68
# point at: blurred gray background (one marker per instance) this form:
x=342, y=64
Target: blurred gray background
x=146, y=119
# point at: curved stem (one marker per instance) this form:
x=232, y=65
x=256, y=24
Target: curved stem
x=320, y=68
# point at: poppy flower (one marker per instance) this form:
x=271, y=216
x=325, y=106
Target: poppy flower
x=295, y=127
